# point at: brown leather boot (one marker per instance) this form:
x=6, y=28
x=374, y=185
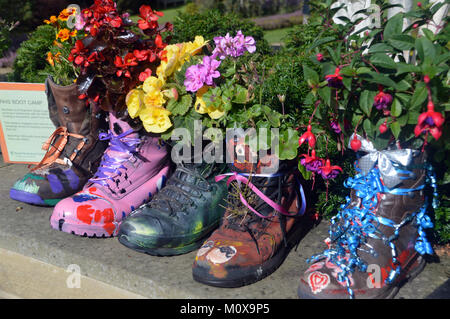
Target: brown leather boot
x=377, y=240
x=73, y=151
x=264, y=219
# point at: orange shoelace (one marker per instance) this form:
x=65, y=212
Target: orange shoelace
x=53, y=150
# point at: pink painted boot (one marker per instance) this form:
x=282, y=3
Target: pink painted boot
x=133, y=168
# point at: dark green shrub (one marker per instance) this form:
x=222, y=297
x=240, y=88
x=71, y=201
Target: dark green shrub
x=30, y=63
x=303, y=35
x=212, y=23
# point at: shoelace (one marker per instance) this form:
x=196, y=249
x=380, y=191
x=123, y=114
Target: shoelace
x=54, y=150
x=240, y=178
x=123, y=147
x=352, y=226
x=174, y=189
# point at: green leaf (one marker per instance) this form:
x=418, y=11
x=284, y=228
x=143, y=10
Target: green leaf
x=406, y=68
x=240, y=97
x=325, y=94
x=393, y=27
x=367, y=125
x=305, y=173
x=288, y=144
x=379, y=78
x=428, y=33
x=272, y=116
x=321, y=41
x=380, y=48
x=363, y=70
x=402, y=42
x=419, y=96
x=383, y=60
x=366, y=101
x=425, y=49
x=396, y=108
x=395, y=128
x=310, y=75
x=180, y=107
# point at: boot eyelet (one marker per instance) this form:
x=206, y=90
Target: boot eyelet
x=66, y=110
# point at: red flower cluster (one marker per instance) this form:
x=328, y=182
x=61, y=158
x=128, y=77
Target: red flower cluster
x=100, y=13
x=148, y=17
x=114, y=58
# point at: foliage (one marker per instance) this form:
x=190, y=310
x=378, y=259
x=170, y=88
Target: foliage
x=366, y=85
x=250, y=8
x=30, y=64
x=213, y=23
x=5, y=35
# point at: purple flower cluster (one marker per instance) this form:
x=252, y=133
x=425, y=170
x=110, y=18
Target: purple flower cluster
x=200, y=74
x=204, y=74
x=234, y=47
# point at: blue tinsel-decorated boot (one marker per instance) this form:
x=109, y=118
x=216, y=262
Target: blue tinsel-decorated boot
x=377, y=239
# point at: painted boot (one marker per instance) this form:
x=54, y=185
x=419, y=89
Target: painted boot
x=134, y=167
x=264, y=219
x=73, y=150
x=377, y=240
x=181, y=216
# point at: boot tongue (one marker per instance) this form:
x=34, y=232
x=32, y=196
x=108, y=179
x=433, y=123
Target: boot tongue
x=118, y=126
x=245, y=160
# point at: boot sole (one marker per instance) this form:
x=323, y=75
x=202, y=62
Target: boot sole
x=162, y=252
x=165, y=251
x=391, y=293
x=259, y=272
x=33, y=199
x=81, y=230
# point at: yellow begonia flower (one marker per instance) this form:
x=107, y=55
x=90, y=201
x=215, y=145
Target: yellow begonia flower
x=153, y=83
x=154, y=98
x=155, y=119
x=195, y=47
x=166, y=68
x=200, y=105
x=134, y=101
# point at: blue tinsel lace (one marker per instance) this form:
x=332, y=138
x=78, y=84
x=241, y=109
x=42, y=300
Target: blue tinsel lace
x=352, y=226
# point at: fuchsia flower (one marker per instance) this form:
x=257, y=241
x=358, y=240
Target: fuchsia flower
x=307, y=136
x=382, y=100
x=319, y=56
x=430, y=121
x=311, y=163
x=335, y=127
x=335, y=80
x=328, y=171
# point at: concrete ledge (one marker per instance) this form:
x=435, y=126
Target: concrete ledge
x=34, y=259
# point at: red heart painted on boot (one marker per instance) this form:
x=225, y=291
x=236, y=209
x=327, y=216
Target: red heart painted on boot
x=318, y=281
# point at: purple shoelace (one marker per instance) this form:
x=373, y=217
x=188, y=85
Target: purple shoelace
x=123, y=147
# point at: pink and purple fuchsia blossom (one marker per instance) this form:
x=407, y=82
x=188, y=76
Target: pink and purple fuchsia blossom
x=233, y=47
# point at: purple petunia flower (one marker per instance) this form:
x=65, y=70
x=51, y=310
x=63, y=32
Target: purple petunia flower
x=210, y=70
x=234, y=47
x=195, y=77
